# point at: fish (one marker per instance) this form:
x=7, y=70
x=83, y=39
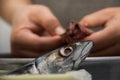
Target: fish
x=61, y=60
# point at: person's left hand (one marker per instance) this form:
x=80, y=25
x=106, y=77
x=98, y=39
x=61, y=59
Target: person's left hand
x=107, y=40
x=35, y=31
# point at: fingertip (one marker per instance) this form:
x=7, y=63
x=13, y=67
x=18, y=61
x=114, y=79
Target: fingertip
x=86, y=30
x=95, y=19
x=85, y=21
x=59, y=30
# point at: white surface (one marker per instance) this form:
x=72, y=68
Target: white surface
x=81, y=75
x=5, y=31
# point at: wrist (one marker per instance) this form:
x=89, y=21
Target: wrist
x=9, y=8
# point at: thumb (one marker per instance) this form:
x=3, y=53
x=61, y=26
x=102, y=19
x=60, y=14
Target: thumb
x=45, y=18
x=53, y=27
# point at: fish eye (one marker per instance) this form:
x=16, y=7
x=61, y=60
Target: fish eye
x=66, y=51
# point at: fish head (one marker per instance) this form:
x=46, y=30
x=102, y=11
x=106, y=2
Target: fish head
x=64, y=59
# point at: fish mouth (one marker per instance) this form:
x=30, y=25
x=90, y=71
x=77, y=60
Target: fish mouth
x=83, y=49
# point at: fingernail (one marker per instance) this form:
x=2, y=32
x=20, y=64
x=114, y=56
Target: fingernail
x=59, y=30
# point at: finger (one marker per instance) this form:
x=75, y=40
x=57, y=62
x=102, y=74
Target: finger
x=52, y=26
x=86, y=30
x=29, y=40
x=45, y=18
x=103, y=38
x=96, y=19
x=110, y=51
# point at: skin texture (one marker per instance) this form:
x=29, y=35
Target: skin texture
x=9, y=7
x=107, y=40
x=34, y=32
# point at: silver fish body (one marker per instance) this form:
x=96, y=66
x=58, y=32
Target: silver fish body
x=61, y=60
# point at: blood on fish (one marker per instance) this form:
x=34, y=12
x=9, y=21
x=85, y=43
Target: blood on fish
x=73, y=33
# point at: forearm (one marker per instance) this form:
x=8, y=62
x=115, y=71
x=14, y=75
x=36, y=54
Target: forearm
x=9, y=8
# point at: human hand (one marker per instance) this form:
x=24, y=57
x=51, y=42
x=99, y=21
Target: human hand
x=107, y=40
x=35, y=31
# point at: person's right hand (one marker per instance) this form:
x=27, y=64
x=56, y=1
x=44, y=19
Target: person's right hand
x=35, y=31
x=107, y=40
